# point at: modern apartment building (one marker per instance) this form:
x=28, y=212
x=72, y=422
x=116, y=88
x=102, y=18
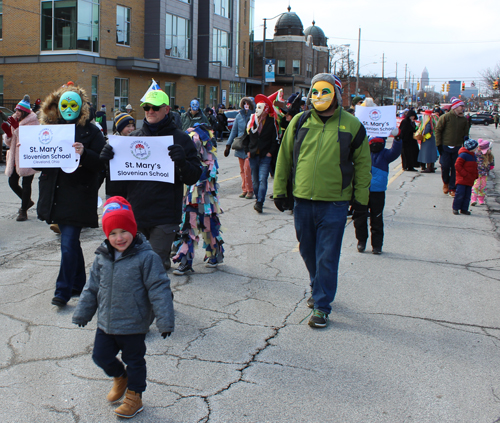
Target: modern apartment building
x=114, y=48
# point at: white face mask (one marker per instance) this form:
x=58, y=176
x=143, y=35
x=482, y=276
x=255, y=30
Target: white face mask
x=259, y=108
x=246, y=106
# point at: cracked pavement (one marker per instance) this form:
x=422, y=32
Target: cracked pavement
x=414, y=333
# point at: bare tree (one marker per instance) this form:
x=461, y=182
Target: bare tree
x=341, y=63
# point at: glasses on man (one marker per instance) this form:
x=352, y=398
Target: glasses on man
x=155, y=108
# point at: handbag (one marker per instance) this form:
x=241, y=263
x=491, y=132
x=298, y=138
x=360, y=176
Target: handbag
x=238, y=143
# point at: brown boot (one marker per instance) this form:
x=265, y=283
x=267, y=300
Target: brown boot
x=22, y=216
x=118, y=389
x=445, y=189
x=132, y=404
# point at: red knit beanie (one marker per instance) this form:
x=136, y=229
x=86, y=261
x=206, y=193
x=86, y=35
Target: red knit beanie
x=118, y=214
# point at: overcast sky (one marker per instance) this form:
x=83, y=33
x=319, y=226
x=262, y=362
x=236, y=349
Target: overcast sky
x=454, y=40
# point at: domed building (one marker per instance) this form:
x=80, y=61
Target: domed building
x=298, y=55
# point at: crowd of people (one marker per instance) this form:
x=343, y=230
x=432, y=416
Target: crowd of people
x=324, y=166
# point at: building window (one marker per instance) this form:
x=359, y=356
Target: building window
x=223, y=8
x=70, y=25
x=121, y=94
x=296, y=67
x=309, y=70
x=177, y=37
x=281, y=67
x=170, y=91
x=95, y=82
x=221, y=46
x=1, y=18
x=1, y=89
x=201, y=95
x=213, y=96
x=123, y=25
x=237, y=91
x=186, y=1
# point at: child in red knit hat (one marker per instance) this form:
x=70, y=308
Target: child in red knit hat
x=127, y=288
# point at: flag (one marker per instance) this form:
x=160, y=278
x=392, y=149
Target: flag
x=154, y=86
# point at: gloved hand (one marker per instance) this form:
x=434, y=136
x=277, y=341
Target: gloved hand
x=396, y=133
x=279, y=202
x=177, y=154
x=107, y=153
x=6, y=129
x=13, y=122
x=227, y=150
x=165, y=334
x=440, y=149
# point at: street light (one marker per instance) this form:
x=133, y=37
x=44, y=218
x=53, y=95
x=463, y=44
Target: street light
x=263, y=82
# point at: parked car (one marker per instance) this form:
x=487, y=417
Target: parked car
x=231, y=116
x=481, y=119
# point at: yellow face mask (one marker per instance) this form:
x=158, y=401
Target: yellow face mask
x=322, y=95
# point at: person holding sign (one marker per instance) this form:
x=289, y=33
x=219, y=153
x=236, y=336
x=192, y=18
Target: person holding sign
x=70, y=199
x=327, y=153
x=158, y=205
x=22, y=116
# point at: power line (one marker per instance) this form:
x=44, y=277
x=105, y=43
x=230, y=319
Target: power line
x=417, y=42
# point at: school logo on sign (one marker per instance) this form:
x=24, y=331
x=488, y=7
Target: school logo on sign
x=375, y=115
x=140, y=150
x=45, y=136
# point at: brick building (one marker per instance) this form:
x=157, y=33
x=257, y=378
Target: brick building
x=114, y=48
x=299, y=55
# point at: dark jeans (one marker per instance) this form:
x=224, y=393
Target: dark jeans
x=23, y=193
x=462, y=198
x=448, y=158
x=260, y=173
x=319, y=226
x=376, y=208
x=72, y=269
x=161, y=238
x=133, y=348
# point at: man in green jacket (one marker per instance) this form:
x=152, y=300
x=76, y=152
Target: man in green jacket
x=451, y=132
x=326, y=151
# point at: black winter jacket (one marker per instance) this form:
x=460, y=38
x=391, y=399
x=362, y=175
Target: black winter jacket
x=71, y=198
x=160, y=203
x=263, y=143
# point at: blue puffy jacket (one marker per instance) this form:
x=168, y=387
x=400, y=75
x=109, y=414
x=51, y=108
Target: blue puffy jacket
x=380, y=165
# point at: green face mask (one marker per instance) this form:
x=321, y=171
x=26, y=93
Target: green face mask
x=70, y=105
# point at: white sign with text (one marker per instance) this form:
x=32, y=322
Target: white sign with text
x=141, y=158
x=44, y=146
x=378, y=121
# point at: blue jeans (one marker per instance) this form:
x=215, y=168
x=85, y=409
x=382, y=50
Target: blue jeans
x=319, y=226
x=72, y=269
x=462, y=198
x=260, y=172
x=133, y=348
x=448, y=158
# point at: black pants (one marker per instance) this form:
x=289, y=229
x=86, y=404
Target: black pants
x=23, y=193
x=133, y=348
x=376, y=205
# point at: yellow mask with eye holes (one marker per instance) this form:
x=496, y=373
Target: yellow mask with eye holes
x=322, y=95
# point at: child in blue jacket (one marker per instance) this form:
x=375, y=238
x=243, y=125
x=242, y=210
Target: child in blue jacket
x=381, y=157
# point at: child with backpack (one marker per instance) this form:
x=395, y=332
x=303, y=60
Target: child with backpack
x=466, y=168
x=485, y=163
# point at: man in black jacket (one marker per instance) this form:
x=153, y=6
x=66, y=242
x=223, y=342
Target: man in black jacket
x=158, y=205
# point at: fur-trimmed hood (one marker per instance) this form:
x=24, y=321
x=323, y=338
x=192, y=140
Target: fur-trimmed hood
x=49, y=111
x=250, y=103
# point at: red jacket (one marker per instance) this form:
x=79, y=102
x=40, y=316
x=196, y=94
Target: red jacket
x=466, y=167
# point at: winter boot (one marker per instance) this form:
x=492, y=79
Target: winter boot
x=132, y=404
x=118, y=389
x=445, y=189
x=22, y=216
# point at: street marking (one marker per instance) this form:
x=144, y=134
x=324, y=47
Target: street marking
x=395, y=176
x=228, y=179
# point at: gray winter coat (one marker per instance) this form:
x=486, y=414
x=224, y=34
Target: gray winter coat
x=239, y=129
x=126, y=292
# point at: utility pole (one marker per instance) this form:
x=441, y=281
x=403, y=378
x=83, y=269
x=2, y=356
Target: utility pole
x=383, y=62
x=406, y=86
x=395, y=84
x=357, y=65
x=348, y=77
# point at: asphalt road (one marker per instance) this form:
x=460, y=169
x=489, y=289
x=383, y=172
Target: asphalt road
x=414, y=333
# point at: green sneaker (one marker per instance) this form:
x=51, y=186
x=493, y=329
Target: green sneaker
x=319, y=319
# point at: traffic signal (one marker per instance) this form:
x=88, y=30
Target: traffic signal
x=418, y=86
x=460, y=96
x=442, y=89
x=392, y=85
x=395, y=85
x=472, y=96
x=448, y=88
x=463, y=86
x=495, y=85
